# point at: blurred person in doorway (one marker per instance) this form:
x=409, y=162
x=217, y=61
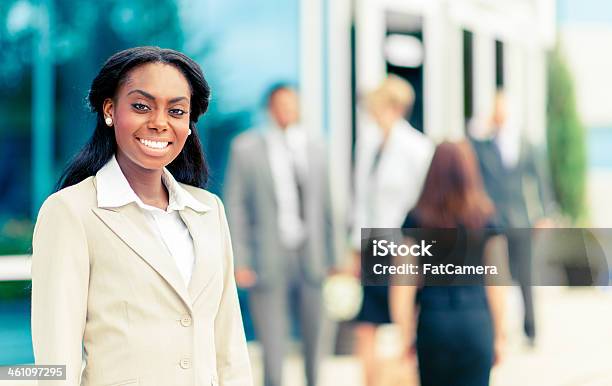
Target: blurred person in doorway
x=507, y=164
x=459, y=328
x=279, y=212
x=392, y=159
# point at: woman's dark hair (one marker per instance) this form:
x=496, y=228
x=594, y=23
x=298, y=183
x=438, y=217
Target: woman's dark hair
x=189, y=166
x=453, y=194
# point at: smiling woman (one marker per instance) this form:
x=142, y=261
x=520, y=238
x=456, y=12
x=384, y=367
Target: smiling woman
x=132, y=262
x=151, y=93
x=150, y=116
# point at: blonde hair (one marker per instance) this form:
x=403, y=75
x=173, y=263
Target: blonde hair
x=393, y=91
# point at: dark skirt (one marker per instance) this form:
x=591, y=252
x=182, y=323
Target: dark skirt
x=375, y=306
x=454, y=337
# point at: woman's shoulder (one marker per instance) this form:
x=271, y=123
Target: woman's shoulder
x=412, y=220
x=411, y=142
x=70, y=205
x=77, y=197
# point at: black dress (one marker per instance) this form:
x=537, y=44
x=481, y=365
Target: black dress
x=375, y=304
x=454, y=333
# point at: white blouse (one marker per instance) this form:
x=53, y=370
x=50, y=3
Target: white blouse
x=114, y=190
x=287, y=157
x=384, y=193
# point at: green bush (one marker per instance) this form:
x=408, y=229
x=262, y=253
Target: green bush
x=15, y=289
x=566, y=140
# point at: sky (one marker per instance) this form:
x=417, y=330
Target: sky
x=578, y=11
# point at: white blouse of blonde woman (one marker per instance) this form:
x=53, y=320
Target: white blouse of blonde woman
x=391, y=161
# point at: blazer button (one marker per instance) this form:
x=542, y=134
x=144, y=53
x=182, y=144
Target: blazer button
x=185, y=363
x=186, y=321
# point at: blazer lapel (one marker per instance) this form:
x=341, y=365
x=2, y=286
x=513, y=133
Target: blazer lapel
x=130, y=225
x=207, y=244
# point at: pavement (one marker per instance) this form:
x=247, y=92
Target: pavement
x=574, y=345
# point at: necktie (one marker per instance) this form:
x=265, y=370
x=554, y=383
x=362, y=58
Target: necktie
x=299, y=183
x=297, y=177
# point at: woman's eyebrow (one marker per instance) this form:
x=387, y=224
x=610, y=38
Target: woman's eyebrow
x=177, y=99
x=143, y=93
x=151, y=97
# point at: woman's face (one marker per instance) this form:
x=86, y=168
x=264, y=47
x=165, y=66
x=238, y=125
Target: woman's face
x=150, y=114
x=386, y=116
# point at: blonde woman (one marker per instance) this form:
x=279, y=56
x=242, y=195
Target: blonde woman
x=391, y=163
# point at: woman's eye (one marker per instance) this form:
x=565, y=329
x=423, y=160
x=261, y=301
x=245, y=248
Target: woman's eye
x=177, y=112
x=140, y=107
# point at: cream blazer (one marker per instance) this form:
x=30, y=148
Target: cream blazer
x=105, y=289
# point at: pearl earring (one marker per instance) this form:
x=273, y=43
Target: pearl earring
x=189, y=132
x=109, y=121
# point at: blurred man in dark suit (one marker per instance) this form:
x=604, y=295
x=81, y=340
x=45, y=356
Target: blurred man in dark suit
x=506, y=163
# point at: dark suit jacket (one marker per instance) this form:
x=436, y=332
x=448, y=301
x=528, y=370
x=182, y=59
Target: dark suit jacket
x=506, y=187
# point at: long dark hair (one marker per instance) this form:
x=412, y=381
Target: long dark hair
x=453, y=194
x=189, y=166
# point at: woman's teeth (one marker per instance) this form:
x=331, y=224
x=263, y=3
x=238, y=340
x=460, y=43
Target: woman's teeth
x=153, y=144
